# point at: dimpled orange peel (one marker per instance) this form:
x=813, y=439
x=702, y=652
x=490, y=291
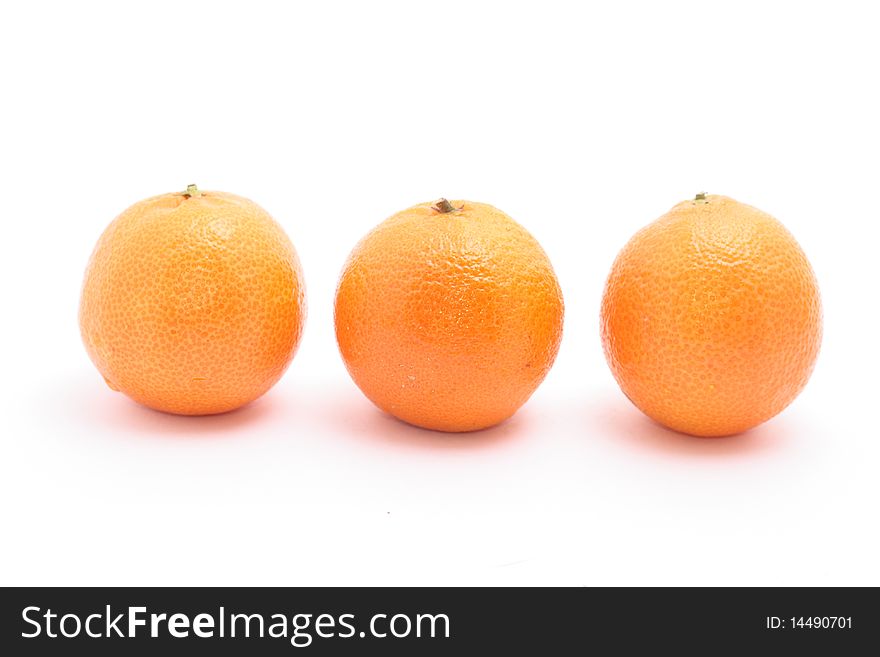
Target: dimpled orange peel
x=711, y=319
x=449, y=315
x=193, y=302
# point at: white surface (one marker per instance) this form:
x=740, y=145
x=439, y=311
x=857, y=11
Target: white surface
x=582, y=123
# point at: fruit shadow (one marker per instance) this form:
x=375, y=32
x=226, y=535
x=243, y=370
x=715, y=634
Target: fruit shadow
x=120, y=415
x=348, y=413
x=622, y=421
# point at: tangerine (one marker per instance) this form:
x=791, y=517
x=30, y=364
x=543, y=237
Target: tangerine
x=193, y=303
x=711, y=319
x=449, y=315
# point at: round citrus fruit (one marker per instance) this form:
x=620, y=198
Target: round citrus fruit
x=193, y=302
x=449, y=315
x=711, y=319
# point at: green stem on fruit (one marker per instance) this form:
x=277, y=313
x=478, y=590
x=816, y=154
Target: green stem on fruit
x=444, y=207
x=192, y=190
x=701, y=196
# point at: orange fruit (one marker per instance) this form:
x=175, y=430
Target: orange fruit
x=711, y=319
x=193, y=302
x=449, y=315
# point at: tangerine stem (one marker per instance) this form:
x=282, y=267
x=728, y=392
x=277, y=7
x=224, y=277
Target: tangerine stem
x=192, y=190
x=443, y=206
x=700, y=197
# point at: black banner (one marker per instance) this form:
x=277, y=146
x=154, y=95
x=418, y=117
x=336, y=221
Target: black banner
x=445, y=621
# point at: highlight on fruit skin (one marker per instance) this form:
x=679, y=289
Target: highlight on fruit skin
x=448, y=315
x=193, y=302
x=711, y=318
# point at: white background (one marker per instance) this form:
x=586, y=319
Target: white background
x=584, y=123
